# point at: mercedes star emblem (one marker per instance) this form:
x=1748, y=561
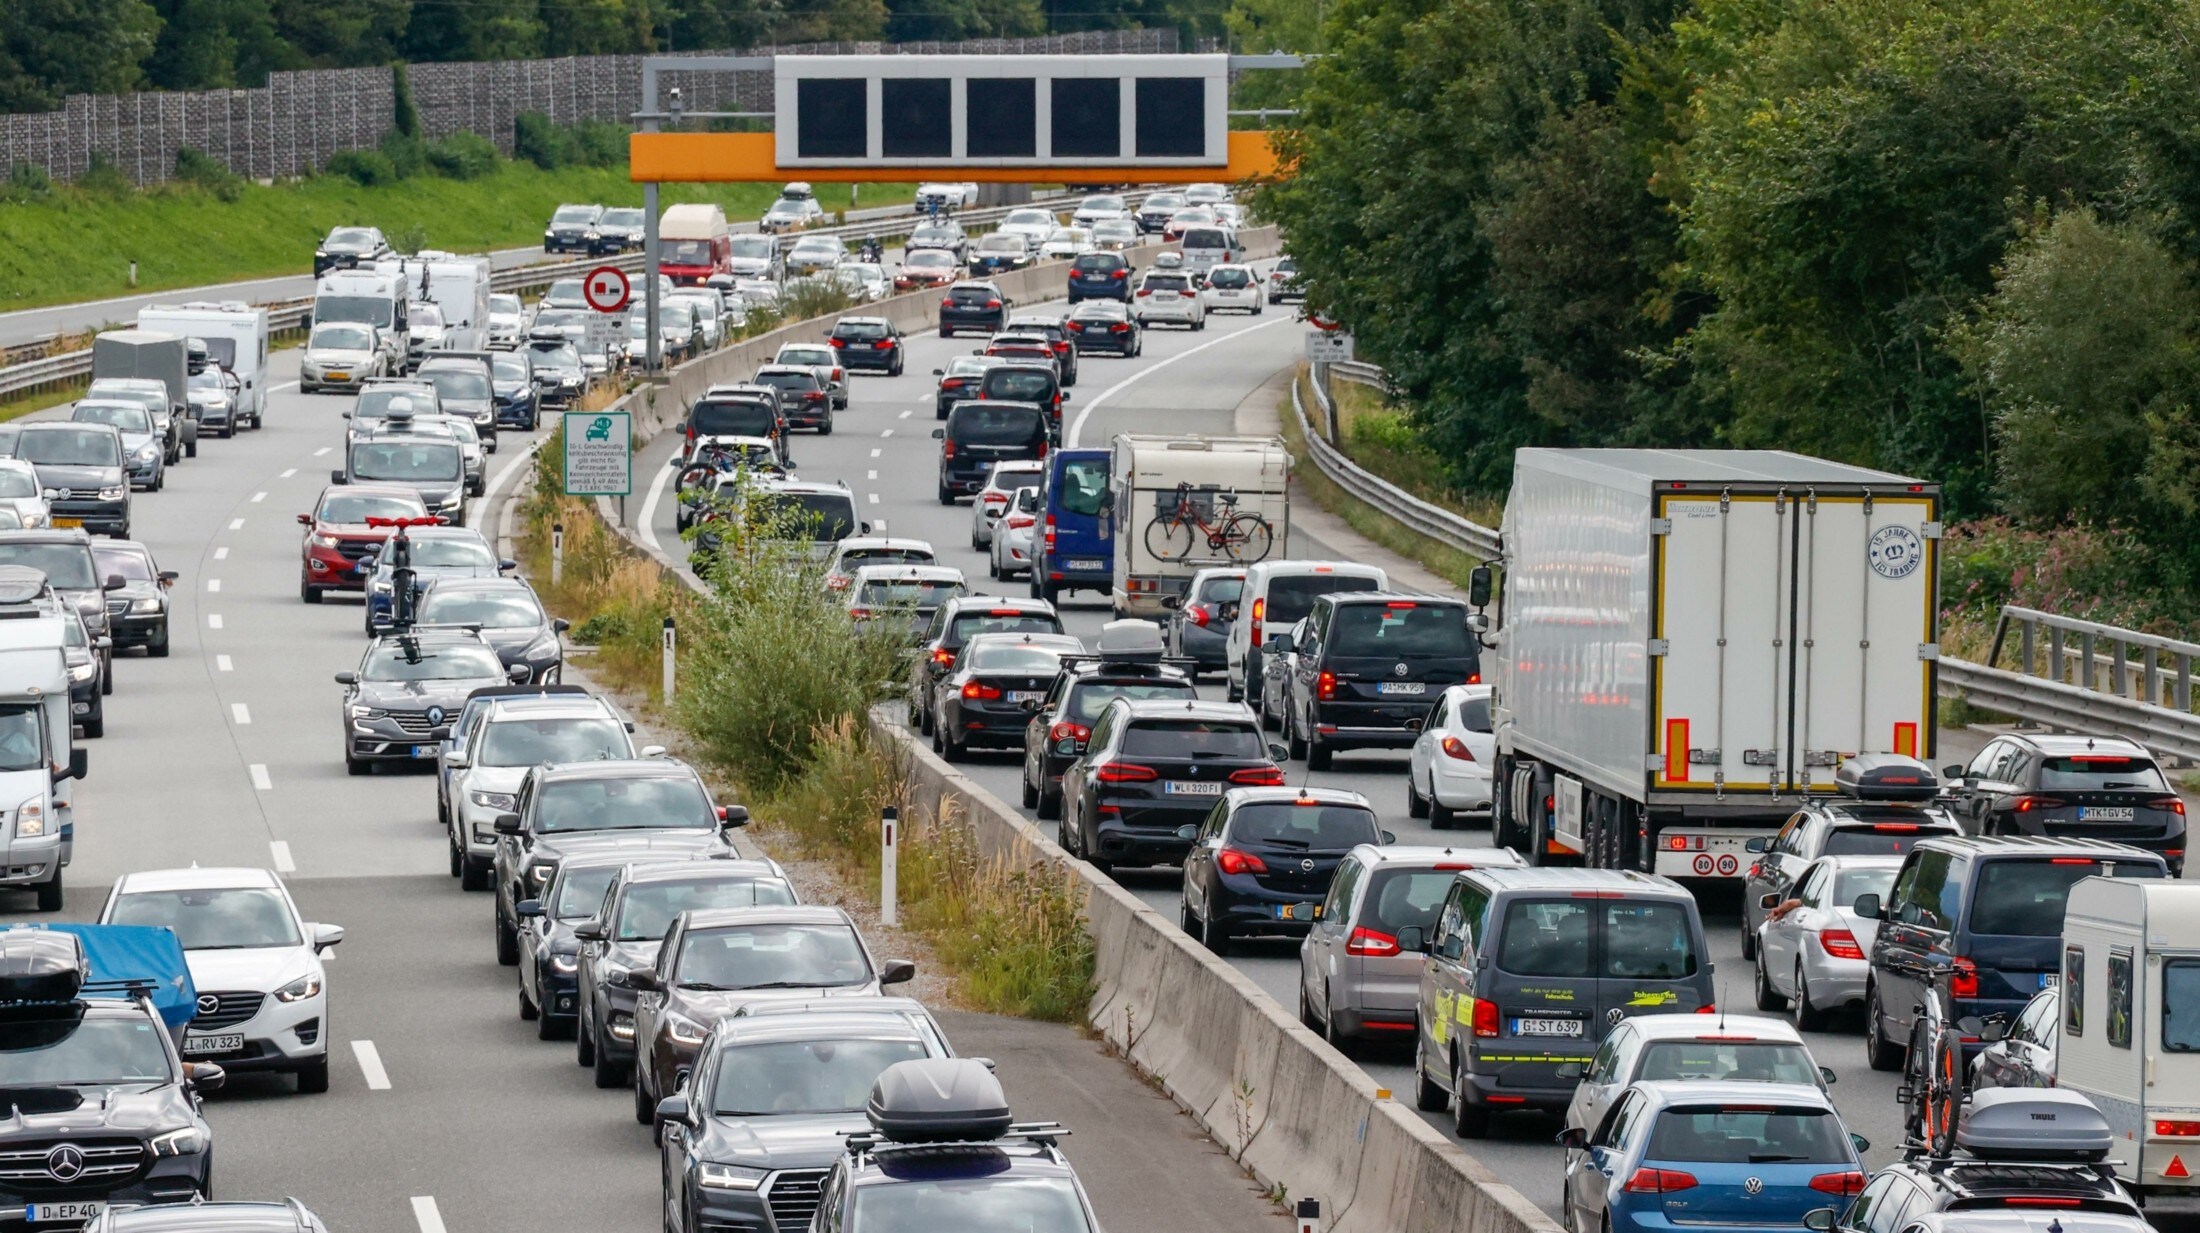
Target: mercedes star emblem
x=65, y=1163
x=1753, y=1185
x=208, y=1003
x=1400, y=670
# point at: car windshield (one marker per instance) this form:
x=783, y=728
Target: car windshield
x=353, y=508
x=647, y=909
x=1399, y=630
x=920, y=594
x=22, y=743
x=1087, y=700
x=994, y=1203
x=2026, y=898
x=785, y=208
x=1851, y=883
x=733, y=419
x=404, y=460
x=625, y=216
x=350, y=237
x=1760, y=1061
x=1016, y=658
x=18, y=482
x=970, y=623
x=341, y=338
x=999, y=243
x=555, y=355
x=125, y=418
x=505, y=305
x=221, y=918
x=406, y=661
x=374, y=404
x=774, y=956
x=1114, y=229
x=805, y=1076
x=131, y=563
x=1310, y=826
x=67, y=566
x=451, y=554
x=98, y=1049
x=529, y=742
x=978, y=424
x=754, y=246
x=930, y=259
x=1102, y=202
x=1747, y=1134
x=574, y=214
x=580, y=891
x=1028, y=218
x=1193, y=738
x=457, y=383
x=208, y=378
x=509, y=367
x=69, y=447
x=499, y=609
x=2100, y=773
x=622, y=803
x=686, y=252
x=817, y=246
x=423, y=316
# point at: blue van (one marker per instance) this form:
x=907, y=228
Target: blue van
x=1075, y=549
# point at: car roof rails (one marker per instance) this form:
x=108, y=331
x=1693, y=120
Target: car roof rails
x=2045, y=1127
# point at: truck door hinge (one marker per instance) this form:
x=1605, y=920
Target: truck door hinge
x=1658, y=646
x=1661, y=526
x=1706, y=757
x=1928, y=651
x=1760, y=757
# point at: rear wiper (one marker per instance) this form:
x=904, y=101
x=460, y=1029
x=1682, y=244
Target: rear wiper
x=1772, y=1157
x=2114, y=784
x=1301, y=844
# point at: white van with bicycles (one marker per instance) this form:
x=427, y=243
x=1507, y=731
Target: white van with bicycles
x=1277, y=595
x=1179, y=504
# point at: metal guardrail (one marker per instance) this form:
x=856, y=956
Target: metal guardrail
x=2073, y=708
x=1435, y=522
x=2138, y=666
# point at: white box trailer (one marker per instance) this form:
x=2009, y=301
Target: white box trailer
x=2129, y=1039
x=235, y=334
x=456, y=284
x=1690, y=641
x=1146, y=474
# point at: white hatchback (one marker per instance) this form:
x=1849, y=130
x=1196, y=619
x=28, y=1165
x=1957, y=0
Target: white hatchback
x=992, y=500
x=262, y=994
x=1169, y=297
x=1233, y=287
x=1449, y=773
x=20, y=491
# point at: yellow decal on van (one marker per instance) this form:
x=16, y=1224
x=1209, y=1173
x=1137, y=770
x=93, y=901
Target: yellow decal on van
x=1660, y=997
x=1550, y=995
x=1439, y=1024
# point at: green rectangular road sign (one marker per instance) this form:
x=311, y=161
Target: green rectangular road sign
x=599, y=454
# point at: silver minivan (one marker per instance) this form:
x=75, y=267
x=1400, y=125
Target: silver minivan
x=1360, y=966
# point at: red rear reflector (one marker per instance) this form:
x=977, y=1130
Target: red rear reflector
x=2175, y=1168
x=2177, y=1130
x=1505, y=1100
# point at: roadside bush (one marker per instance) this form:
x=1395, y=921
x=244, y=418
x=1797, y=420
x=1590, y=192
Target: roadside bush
x=195, y=167
x=463, y=156
x=407, y=153
x=366, y=168
x=598, y=143
x=103, y=177
x=26, y=183
x=538, y=140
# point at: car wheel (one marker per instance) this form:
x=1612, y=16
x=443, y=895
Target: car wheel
x=609, y=1074
x=952, y=750
x=645, y=1106
x=1214, y=934
x=549, y=1027
x=1050, y=804
x=507, y=943
x=1808, y=1018
x=1440, y=818
x=1317, y=754
x=1184, y=918
x=107, y=675
x=1470, y=1120
x=1030, y=794
x=1294, y=745
x=1879, y=1052
x=528, y=1013
x=584, y=1042
x=353, y=766
x=95, y=724
x=946, y=497
x=458, y=859
x=1416, y=804
x=49, y=892
x=1337, y=1040
x=1749, y=938
x=1768, y=998
x=472, y=877
x=158, y=647
x=309, y=593
x=1427, y=1096
x=825, y=427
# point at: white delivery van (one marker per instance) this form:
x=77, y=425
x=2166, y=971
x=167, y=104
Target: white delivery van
x=235, y=334
x=1168, y=495
x=459, y=285
x=1277, y=595
x=38, y=758
x=366, y=297
x=2130, y=1033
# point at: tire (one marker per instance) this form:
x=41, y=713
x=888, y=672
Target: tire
x=528, y=1012
x=946, y=497
x=1337, y=1040
x=1031, y=794
x=952, y=750
x=458, y=859
x=584, y=1043
x=158, y=646
x=1749, y=938
x=313, y=1076
x=107, y=676
x=95, y=725
x=825, y=428
x=191, y=449
x=1879, y=1052
x=1215, y=936
x=507, y=944
x=1306, y=1008
x=1294, y=747
x=1317, y=754
x=50, y=893
x=1416, y=804
x=1442, y=819
x=472, y=878
x=1185, y=920
x=1768, y=999
x=1808, y=1018
x=549, y=1028
x=1469, y=1120
x=1427, y=1097
x=309, y=593
x=1050, y=804
x=353, y=766
x=645, y=1106
x=608, y=1074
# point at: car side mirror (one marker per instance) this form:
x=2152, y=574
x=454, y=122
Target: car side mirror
x=866, y=528
x=1278, y=753
x=506, y=565
x=527, y=909
x=168, y=577
x=653, y=751
x=1573, y=1138
x=589, y=931
x=1859, y=1142
x=939, y=434
x=1867, y=905
x=1033, y=705
x=1281, y=644
x=733, y=816
x=645, y=980
x=336, y=476
x=675, y=462
x=206, y=1076
x=347, y=678
x=80, y=765
x=559, y=624
x=507, y=824
x=1065, y=395
x=1757, y=846
x=1478, y=587
x=457, y=760
x=1571, y=1072
x=1412, y=939
x=1390, y=837
x=897, y=972
x=518, y=673
x=939, y=372
x=1768, y=902
x=1187, y=832
x=113, y=582
x=672, y=1109
x=1172, y=602
x=305, y=520
x=1951, y=771
x=1819, y=1219
x=1827, y=1077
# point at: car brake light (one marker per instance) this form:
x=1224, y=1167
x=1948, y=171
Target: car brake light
x=1260, y=609
x=1120, y=274
x=837, y=342
x=1120, y=327
x=1230, y=860
x=992, y=303
x=1365, y=941
x=1020, y=520
x=1485, y=1017
x=1325, y=686
x=1660, y=1181
x=1895, y=828
x=814, y=396
x=1196, y=614
x=1456, y=748
x=1062, y=347
x=1259, y=776
x=2036, y=1201
x=943, y=657
x=859, y=614
x=1843, y=1183
x=2176, y=1130
x=1474, y=678
x=948, y=303
x=883, y=344
x=2072, y=860
x=2175, y=804
x=1050, y=533
x=1841, y=944
x=1143, y=292
x=1963, y=980
x=1187, y=294
x=1124, y=772
x=1068, y=732
x=947, y=449
x=2026, y=804
x=975, y=689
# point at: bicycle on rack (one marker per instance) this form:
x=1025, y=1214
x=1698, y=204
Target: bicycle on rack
x=1932, y=1092
x=1229, y=533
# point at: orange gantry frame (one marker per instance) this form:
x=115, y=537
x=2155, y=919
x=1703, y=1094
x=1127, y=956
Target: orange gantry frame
x=749, y=158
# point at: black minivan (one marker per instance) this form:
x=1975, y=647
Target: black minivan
x=752, y=412
x=1026, y=381
x=1369, y=663
x=978, y=435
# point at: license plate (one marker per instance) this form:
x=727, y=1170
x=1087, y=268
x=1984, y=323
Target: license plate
x=1406, y=688
x=1296, y=911
x=426, y=751
x=79, y=1212
x=1026, y=695
x=1546, y=1027
x=2104, y=813
x=1187, y=787
x=1088, y=565
x=66, y=523
x=339, y=376
x=229, y=1042
x=2049, y=980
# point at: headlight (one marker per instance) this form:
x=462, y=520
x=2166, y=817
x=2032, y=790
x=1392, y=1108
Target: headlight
x=147, y=452
x=30, y=822
x=145, y=605
x=495, y=800
x=541, y=873
x=685, y=1031
x=368, y=712
x=381, y=585
x=728, y=1177
x=547, y=648
x=613, y=974
x=115, y=493
x=300, y=989
x=83, y=672
x=564, y=964
x=323, y=541
x=185, y=1142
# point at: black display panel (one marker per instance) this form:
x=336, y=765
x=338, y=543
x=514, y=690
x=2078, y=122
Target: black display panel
x=916, y=117
x=1001, y=117
x=830, y=113
x=1088, y=117
x=1172, y=117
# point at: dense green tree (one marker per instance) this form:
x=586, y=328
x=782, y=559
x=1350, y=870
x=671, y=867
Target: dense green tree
x=921, y=20
x=53, y=48
x=216, y=44
x=343, y=33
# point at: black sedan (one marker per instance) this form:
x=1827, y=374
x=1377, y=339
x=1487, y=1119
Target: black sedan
x=1105, y=325
x=508, y=617
x=1056, y=733
x=958, y=621
x=973, y=307
x=399, y=704
x=549, y=954
x=867, y=342
x=1060, y=341
x=959, y=381
x=1151, y=769
x=986, y=700
x=137, y=612
x=1262, y=859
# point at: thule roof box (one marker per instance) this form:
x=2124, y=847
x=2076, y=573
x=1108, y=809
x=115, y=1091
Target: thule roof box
x=938, y=1100
x=40, y=966
x=1886, y=777
x=21, y=587
x=2013, y=1123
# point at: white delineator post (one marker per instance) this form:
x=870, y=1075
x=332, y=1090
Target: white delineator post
x=1310, y=1215
x=889, y=875
x=670, y=643
x=557, y=553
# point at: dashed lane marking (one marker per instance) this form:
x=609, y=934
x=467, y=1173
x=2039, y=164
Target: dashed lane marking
x=213, y=620
x=260, y=781
x=258, y=497
x=221, y=554
x=222, y=664
x=370, y=1064
x=213, y=585
x=238, y=712
x=280, y=851
x=321, y=452
x=424, y=1213
x=288, y=474
x=236, y=524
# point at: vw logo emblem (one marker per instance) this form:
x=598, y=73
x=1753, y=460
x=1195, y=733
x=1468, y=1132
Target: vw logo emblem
x=1307, y=865
x=209, y=1003
x=435, y=714
x=1614, y=1015
x=65, y=1163
x=1753, y=1185
x=1400, y=670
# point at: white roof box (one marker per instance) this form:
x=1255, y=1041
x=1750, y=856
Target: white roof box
x=1130, y=640
x=938, y=1100
x=2014, y=1123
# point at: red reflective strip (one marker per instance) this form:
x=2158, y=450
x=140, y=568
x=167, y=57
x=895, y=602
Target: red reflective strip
x=1905, y=740
x=1676, y=751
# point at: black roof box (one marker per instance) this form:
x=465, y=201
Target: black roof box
x=1886, y=777
x=938, y=1100
x=40, y=965
x=2023, y=1123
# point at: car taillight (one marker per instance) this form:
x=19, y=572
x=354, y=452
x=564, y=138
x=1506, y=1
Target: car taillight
x=947, y=303
x=1050, y=533
x=859, y=614
x=1120, y=327
x=1143, y=292
x=1042, y=449
x=814, y=396
x=980, y=690
x=1963, y=980
x=1120, y=274
x=2175, y=804
x=883, y=344
x=943, y=657
x=1260, y=609
x=951, y=383
x=1230, y=860
x=995, y=498
x=837, y=342
x=2176, y=1130
x=2028, y=804
x=1485, y=1017
x=1196, y=614
x=1259, y=776
x=838, y=582
x=1365, y=941
x=1061, y=348
x=1456, y=748
x=1187, y=293
x=1124, y=772
x=992, y=303
x=1068, y=732
x=1841, y=944
x=1325, y=686
x=1847, y=1182
x=1020, y=520
x=947, y=449
x=1660, y=1181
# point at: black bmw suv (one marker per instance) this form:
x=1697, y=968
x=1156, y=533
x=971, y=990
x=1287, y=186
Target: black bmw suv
x=1151, y=768
x=1370, y=662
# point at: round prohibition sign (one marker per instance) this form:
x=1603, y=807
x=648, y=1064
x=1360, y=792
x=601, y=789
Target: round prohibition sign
x=606, y=289
x=1319, y=322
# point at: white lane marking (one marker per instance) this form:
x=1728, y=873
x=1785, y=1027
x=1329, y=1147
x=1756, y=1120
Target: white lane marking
x=1077, y=427
x=647, y=525
x=213, y=620
x=870, y=475
x=879, y=525
x=905, y=415
x=287, y=474
x=875, y=451
x=322, y=451
x=888, y=433
x=260, y=781
x=424, y=1213
x=874, y=498
x=221, y=554
x=222, y=664
x=238, y=712
x=281, y=852
x=258, y=497
x=287, y=385
x=213, y=584
x=370, y=1063
x=236, y=524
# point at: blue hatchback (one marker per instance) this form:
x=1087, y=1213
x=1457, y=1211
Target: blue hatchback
x=1676, y=1154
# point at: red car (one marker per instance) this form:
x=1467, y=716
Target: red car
x=925, y=269
x=337, y=535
